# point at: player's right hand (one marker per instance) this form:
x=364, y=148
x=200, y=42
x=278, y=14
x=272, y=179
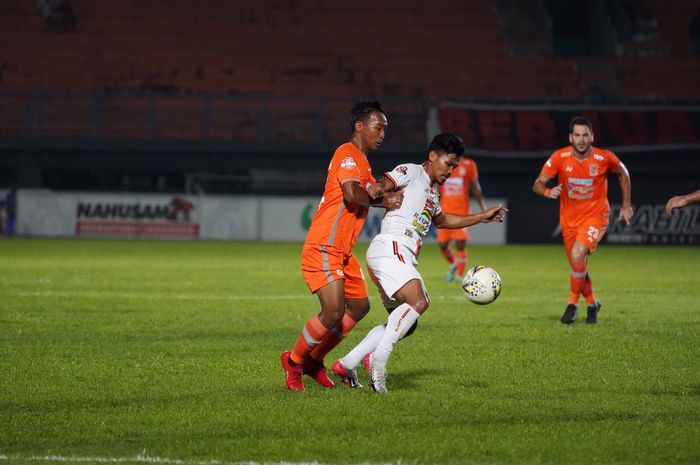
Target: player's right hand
x=393, y=200
x=375, y=190
x=555, y=192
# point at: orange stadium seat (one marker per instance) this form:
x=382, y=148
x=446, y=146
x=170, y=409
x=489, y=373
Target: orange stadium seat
x=450, y=50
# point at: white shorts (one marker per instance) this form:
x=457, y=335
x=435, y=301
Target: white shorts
x=391, y=264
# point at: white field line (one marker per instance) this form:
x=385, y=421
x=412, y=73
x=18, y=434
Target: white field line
x=148, y=296
x=143, y=458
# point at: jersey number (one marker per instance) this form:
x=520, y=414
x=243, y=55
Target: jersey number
x=593, y=234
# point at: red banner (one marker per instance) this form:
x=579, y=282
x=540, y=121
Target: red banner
x=531, y=129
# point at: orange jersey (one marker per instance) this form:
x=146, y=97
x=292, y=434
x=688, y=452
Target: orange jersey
x=454, y=193
x=337, y=223
x=584, y=184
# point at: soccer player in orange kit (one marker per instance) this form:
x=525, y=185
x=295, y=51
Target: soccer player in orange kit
x=582, y=188
x=454, y=199
x=328, y=265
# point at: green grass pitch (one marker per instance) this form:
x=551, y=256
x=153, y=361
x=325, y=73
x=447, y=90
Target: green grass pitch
x=168, y=352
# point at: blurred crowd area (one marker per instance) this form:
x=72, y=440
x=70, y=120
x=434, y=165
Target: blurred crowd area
x=251, y=96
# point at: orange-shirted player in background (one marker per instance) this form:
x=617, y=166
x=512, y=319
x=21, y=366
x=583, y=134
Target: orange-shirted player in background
x=329, y=268
x=454, y=199
x=582, y=173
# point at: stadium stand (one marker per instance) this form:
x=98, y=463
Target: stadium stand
x=465, y=50
x=268, y=71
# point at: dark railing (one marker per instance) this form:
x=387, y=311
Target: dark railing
x=242, y=118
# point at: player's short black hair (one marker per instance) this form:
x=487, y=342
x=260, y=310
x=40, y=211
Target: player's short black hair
x=579, y=121
x=447, y=143
x=361, y=111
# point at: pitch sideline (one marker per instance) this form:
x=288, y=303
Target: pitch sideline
x=143, y=458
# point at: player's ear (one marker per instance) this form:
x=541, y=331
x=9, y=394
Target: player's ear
x=432, y=156
x=358, y=125
x=571, y=139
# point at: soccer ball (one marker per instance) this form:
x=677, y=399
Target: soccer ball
x=481, y=285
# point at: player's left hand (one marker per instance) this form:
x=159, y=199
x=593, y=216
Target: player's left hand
x=626, y=215
x=496, y=213
x=675, y=202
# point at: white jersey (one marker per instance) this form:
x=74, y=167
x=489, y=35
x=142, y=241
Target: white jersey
x=421, y=202
x=392, y=256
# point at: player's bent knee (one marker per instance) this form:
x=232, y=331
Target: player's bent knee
x=330, y=318
x=421, y=305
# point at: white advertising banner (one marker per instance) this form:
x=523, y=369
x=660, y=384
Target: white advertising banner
x=225, y=217
x=46, y=213
x=153, y=216
x=288, y=219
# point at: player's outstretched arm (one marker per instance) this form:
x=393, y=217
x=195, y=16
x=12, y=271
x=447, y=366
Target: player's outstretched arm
x=681, y=201
x=449, y=221
x=540, y=187
x=626, y=211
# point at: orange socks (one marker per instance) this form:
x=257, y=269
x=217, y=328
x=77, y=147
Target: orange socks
x=577, y=281
x=333, y=338
x=447, y=253
x=461, y=261
x=310, y=337
x=588, y=290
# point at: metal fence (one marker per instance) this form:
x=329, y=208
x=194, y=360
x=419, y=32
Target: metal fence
x=251, y=118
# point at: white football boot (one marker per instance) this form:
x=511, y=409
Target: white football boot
x=377, y=375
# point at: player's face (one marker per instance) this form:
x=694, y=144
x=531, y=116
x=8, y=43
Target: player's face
x=581, y=139
x=443, y=166
x=373, y=130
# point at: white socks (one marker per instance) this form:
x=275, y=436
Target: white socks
x=382, y=338
x=366, y=345
x=399, y=322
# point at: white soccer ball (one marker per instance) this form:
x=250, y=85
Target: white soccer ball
x=481, y=285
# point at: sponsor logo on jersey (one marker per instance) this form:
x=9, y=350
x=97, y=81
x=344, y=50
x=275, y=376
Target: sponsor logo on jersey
x=458, y=181
x=421, y=222
x=348, y=163
x=402, y=169
x=339, y=272
x=569, y=169
x=565, y=154
x=580, y=188
x=598, y=157
x=582, y=181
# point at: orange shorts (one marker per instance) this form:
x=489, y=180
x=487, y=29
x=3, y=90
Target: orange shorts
x=589, y=233
x=444, y=235
x=323, y=264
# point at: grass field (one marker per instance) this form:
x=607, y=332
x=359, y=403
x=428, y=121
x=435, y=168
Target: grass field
x=168, y=352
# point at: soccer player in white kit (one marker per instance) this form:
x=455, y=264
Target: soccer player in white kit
x=392, y=255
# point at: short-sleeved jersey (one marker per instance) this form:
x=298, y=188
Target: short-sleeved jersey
x=421, y=202
x=584, y=183
x=454, y=193
x=336, y=222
